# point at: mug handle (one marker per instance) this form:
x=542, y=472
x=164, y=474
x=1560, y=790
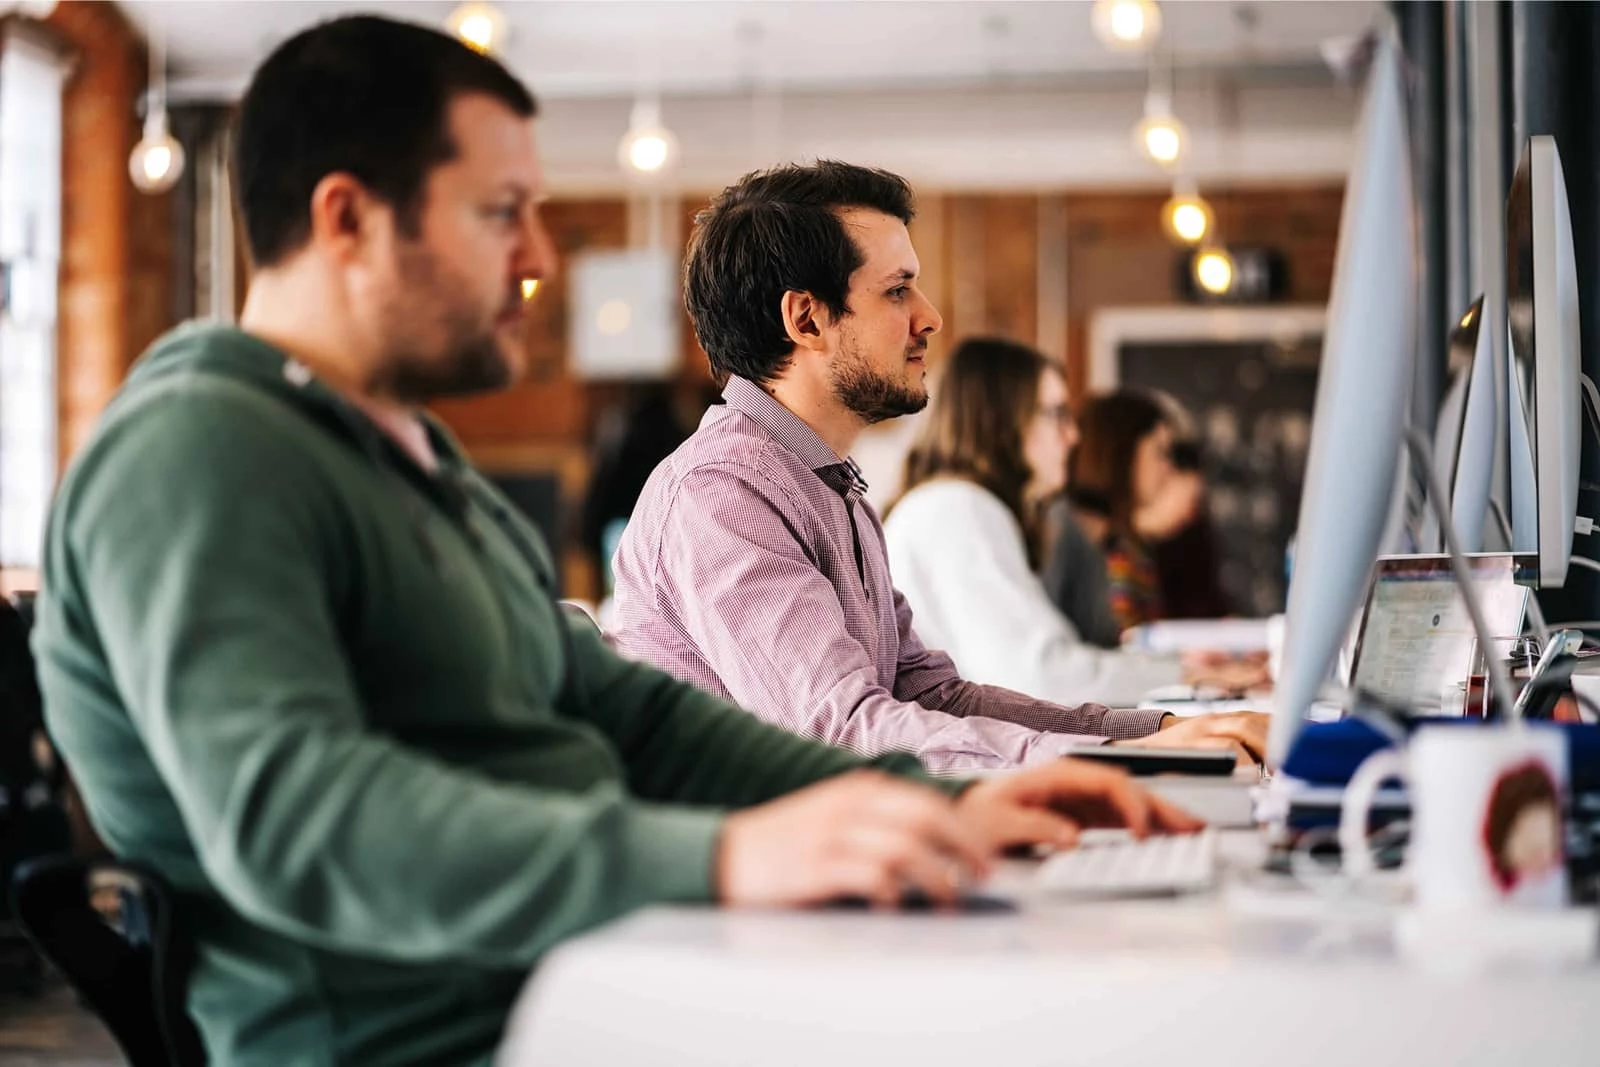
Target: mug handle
x=1356, y=808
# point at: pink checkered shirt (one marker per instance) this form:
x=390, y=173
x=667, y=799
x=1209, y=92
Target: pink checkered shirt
x=754, y=568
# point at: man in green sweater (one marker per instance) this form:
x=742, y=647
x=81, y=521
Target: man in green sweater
x=307, y=663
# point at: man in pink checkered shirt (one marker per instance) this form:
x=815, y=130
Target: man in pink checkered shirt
x=753, y=565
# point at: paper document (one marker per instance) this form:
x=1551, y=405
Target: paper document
x=1185, y=635
x=1206, y=707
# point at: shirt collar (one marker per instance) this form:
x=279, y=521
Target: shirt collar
x=785, y=427
x=855, y=481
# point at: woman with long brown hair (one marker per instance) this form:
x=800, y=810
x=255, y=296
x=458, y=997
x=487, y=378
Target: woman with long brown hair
x=965, y=537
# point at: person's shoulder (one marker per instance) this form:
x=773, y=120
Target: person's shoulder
x=189, y=436
x=231, y=420
x=944, y=491
x=947, y=501
x=732, y=452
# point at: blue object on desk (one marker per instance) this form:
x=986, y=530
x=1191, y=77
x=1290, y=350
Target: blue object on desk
x=1329, y=753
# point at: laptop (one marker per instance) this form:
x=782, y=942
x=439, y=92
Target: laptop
x=1414, y=637
x=1411, y=638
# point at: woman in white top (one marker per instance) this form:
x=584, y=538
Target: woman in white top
x=964, y=539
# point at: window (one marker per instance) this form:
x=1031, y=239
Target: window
x=31, y=77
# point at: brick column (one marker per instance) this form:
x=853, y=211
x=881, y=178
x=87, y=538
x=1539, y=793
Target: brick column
x=116, y=244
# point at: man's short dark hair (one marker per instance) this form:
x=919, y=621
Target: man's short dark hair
x=773, y=231
x=364, y=95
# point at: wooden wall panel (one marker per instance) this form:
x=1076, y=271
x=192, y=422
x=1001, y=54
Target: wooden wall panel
x=966, y=311
x=1011, y=258
x=1052, y=277
x=1118, y=255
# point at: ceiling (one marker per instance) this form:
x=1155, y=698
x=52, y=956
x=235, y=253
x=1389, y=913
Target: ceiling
x=951, y=93
x=575, y=48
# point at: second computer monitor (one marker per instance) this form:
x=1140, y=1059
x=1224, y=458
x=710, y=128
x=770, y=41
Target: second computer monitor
x=1542, y=313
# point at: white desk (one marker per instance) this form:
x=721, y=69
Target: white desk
x=1166, y=983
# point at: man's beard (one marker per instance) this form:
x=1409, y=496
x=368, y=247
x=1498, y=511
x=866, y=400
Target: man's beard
x=470, y=360
x=471, y=368
x=874, y=396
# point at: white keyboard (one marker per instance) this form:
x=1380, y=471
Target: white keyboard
x=1122, y=866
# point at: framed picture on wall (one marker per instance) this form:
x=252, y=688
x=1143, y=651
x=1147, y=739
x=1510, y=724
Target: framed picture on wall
x=1248, y=378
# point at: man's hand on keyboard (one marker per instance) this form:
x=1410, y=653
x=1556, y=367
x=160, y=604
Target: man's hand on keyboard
x=863, y=835
x=1242, y=732
x=1050, y=803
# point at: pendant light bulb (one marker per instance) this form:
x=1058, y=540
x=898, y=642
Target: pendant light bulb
x=480, y=26
x=1186, y=216
x=1126, y=25
x=648, y=148
x=1159, y=134
x=1214, y=271
x=156, y=162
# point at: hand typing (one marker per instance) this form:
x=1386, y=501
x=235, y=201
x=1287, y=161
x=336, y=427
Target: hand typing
x=871, y=836
x=860, y=835
x=1242, y=732
x=1050, y=803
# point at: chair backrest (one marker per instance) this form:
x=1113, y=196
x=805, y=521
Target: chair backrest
x=21, y=711
x=33, y=816
x=111, y=929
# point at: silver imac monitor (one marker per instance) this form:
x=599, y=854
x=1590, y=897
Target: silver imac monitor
x=1363, y=396
x=1542, y=314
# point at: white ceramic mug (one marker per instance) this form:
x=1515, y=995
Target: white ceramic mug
x=1487, y=815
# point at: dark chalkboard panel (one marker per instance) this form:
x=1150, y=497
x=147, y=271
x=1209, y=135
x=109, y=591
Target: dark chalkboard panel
x=1252, y=402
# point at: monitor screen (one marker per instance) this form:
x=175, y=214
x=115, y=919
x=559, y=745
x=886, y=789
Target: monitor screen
x=1416, y=637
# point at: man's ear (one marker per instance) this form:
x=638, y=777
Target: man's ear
x=343, y=215
x=804, y=319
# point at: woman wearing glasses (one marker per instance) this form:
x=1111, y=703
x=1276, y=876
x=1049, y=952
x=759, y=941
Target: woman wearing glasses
x=966, y=537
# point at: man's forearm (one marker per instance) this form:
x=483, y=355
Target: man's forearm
x=968, y=698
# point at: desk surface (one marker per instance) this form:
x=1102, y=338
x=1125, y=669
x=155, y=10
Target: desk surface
x=1189, y=982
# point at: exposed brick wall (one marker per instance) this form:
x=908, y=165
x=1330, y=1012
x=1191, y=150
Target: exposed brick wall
x=116, y=251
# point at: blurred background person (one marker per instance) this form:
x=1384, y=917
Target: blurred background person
x=1122, y=465
x=1178, y=528
x=1075, y=578
x=966, y=537
x=632, y=436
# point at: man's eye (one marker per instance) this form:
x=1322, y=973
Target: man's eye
x=899, y=291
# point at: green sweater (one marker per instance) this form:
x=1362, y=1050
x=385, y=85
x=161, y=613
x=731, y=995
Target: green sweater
x=329, y=697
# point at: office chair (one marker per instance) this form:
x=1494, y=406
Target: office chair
x=111, y=929
x=33, y=820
